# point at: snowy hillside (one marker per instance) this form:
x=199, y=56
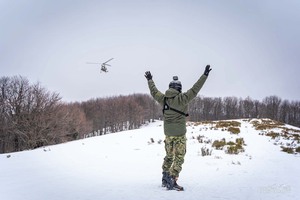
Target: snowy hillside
x=127, y=165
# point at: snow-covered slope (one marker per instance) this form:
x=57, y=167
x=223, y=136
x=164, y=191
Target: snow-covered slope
x=127, y=165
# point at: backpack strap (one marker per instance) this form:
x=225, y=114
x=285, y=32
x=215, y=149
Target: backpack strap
x=167, y=107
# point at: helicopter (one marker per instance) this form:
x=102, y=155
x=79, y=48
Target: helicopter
x=103, y=65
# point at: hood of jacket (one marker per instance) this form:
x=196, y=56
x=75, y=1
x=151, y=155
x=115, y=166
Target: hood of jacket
x=170, y=93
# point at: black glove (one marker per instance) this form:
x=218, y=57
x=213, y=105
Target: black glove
x=148, y=75
x=207, y=70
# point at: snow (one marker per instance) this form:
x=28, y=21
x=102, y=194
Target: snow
x=127, y=165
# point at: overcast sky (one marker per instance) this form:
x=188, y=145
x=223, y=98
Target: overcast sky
x=253, y=46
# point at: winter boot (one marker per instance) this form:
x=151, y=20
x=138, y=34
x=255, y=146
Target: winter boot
x=172, y=184
x=164, y=179
x=177, y=187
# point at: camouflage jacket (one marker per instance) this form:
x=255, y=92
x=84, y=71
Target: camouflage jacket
x=175, y=123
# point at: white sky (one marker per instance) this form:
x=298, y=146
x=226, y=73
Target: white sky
x=253, y=45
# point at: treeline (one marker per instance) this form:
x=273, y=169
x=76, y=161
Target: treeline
x=113, y=114
x=32, y=117
x=273, y=107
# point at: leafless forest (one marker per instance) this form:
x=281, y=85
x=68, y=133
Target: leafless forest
x=32, y=117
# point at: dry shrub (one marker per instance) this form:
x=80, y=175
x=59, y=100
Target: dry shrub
x=235, y=149
x=219, y=144
x=287, y=150
x=234, y=130
x=266, y=124
x=273, y=135
x=226, y=124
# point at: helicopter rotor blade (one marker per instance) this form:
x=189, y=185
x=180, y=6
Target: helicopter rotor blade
x=108, y=60
x=92, y=63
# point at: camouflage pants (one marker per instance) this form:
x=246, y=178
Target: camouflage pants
x=175, y=147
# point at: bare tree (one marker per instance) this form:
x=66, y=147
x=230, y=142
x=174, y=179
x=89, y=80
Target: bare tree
x=248, y=108
x=231, y=107
x=294, y=115
x=256, y=109
x=284, y=111
x=272, y=104
x=195, y=109
x=218, y=109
